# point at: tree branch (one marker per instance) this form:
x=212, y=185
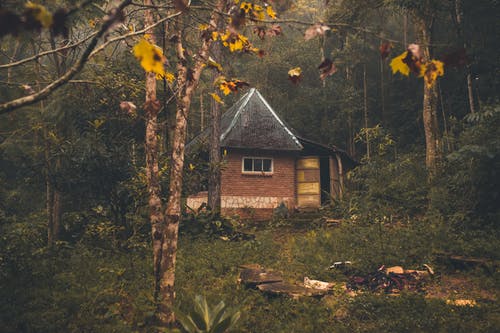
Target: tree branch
x=33, y=98
x=41, y=54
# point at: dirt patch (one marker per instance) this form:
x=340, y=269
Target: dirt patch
x=459, y=286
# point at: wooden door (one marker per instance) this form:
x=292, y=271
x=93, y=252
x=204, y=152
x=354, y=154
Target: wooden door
x=308, y=182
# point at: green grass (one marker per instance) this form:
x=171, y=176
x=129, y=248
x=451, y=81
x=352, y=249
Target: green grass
x=98, y=288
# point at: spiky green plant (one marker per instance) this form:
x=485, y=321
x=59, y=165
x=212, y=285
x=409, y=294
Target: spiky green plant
x=203, y=319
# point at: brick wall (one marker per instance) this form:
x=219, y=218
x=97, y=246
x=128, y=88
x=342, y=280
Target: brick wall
x=280, y=184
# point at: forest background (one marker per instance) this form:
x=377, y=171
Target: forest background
x=75, y=215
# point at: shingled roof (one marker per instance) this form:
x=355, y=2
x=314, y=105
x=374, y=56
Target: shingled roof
x=251, y=123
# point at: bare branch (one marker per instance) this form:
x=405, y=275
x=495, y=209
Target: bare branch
x=33, y=98
x=41, y=54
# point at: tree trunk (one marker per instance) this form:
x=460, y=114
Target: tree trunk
x=187, y=86
x=430, y=105
x=214, y=177
x=214, y=188
x=57, y=214
x=365, y=112
x=468, y=70
x=151, y=109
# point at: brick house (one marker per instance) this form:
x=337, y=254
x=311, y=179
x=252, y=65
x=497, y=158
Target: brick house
x=266, y=164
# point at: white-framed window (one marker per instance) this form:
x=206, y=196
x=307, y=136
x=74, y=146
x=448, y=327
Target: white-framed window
x=257, y=165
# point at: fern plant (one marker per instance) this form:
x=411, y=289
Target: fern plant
x=203, y=319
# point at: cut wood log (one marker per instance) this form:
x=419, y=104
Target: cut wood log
x=317, y=284
x=290, y=290
x=252, y=277
x=468, y=261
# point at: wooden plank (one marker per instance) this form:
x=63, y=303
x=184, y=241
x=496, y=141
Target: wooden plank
x=255, y=276
x=308, y=163
x=308, y=188
x=309, y=200
x=311, y=175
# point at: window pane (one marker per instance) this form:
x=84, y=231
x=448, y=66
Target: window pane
x=247, y=164
x=267, y=165
x=257, y=164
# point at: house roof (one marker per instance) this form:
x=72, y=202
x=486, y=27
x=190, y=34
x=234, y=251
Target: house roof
x=251, y=123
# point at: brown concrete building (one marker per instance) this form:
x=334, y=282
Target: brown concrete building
x=266, y=164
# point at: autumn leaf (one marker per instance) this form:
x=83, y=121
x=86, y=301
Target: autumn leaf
x=213, y=64
x=216, y=98
x=234, y=41
x=270, y=12
x=275, y=30
x=385, y=48
x=257, y=13
x=228, y=86
x=415, y=51
x=246, y=7
x=28, y=89
x=295, y=74
x=260, y=31
x=326, y=68
x=431, y=71
x=413, y=62
x=151, y=57
x=168, y=76
x=128, y=108
x=317, y=29
x=397, y=64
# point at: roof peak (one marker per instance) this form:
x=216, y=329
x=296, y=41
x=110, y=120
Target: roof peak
x=248, y=108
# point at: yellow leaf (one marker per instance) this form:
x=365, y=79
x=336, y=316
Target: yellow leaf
x=295, y=71
x=150, y=56
x=270, y=12
x=212, y=63
x=216, y=98
x=203, y=26
x=191, y=166
x=225, y=87
x=398, y=65
x=215, y=35
x=431, y=71
x=246, y=6
x=168, y=76
x=40, y=13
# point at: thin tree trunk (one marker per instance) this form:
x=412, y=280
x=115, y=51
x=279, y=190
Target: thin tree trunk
x=151, y=109
x=49, y=197
x=57, y=214
x=365, y=112
x=214, y=177
x=202, y=114
x=173, y=212
x=430, y=105
x=468, y=70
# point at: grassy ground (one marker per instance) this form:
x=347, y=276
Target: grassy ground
x=96, y=285
x=210, y=267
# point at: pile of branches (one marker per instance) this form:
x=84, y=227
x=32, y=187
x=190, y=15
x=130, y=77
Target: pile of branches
x=391, y=280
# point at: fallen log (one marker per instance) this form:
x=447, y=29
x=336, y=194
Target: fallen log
x=252, y=277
